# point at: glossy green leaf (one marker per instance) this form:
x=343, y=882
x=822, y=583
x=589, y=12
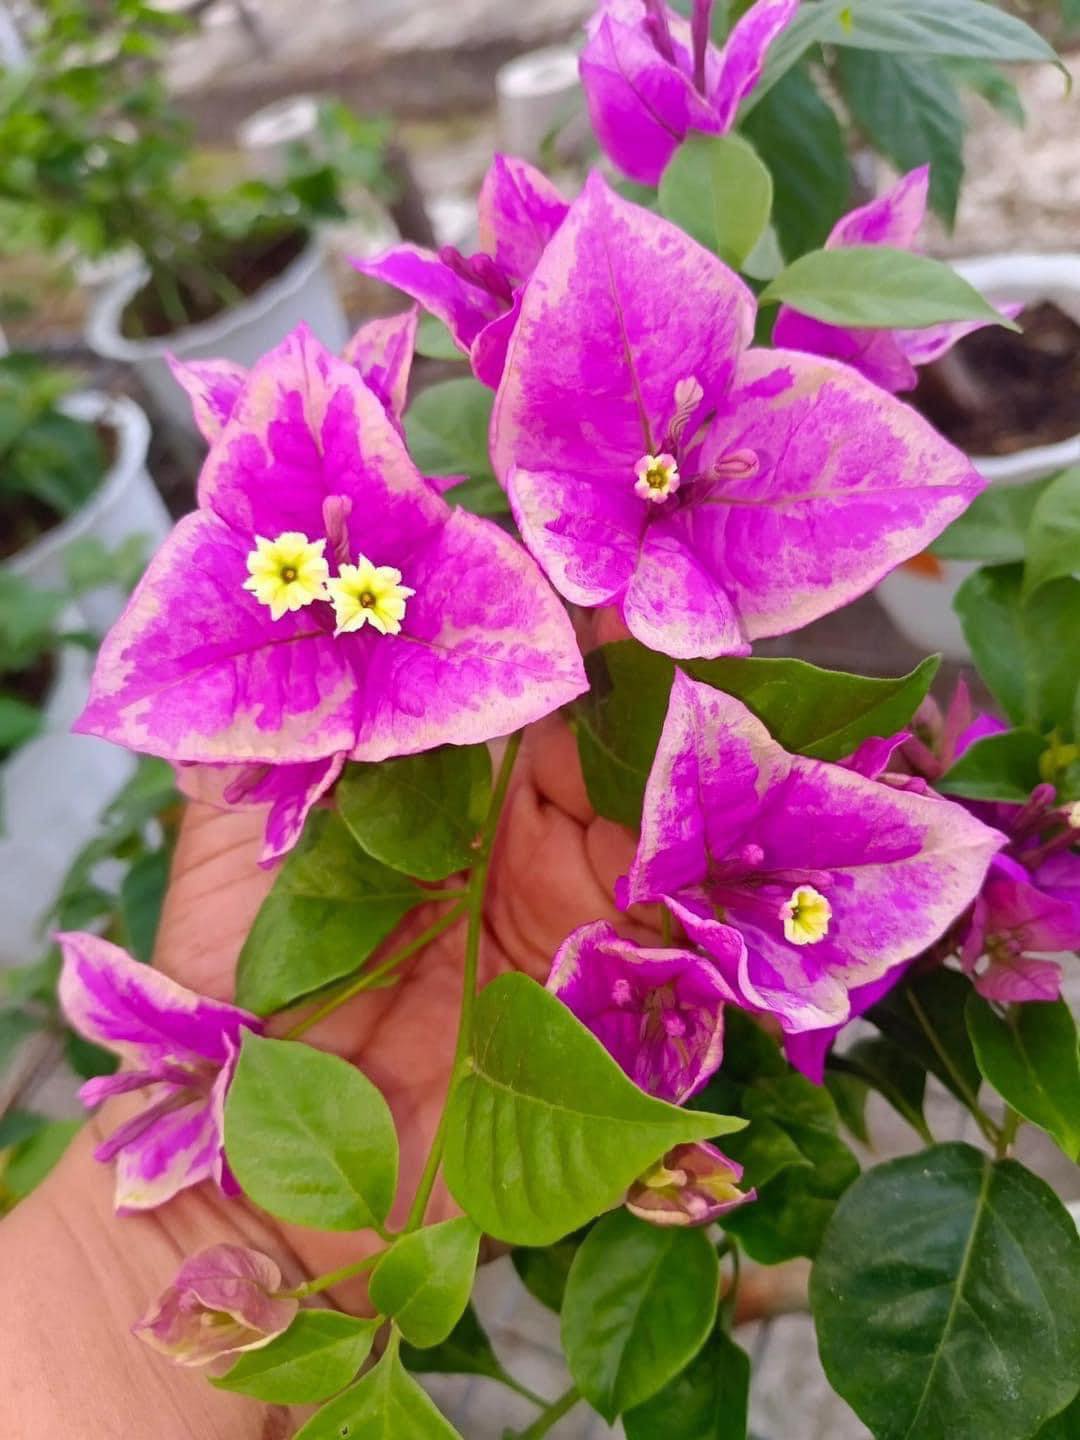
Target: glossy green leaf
x=984, y=78
x=879, y=287
x=997, y=767
x=717, y=189
x=15, y=1027
x=849, y=1094
x=32, y=1158
x=331, y=905
x=543, y=1271
x=1053, y=542
x=709, y=1400
x=993, y=529
x=545, y=1130
x=946, y=1299
x=434, y=341
x=1029, y=1054
x=142, y=894
x=309, y=1137
x=893, y=1073
x=425, y=1279
x=928, y=27
x=824, y=713
x=317, y=1356
x=1065, y=1426
x=1026, y=653
x=465, y=1351
x=387, y=1404
x=806, y=29
x=798, y=136
x=420, y=814
x=908, y=108
x=924, y=1018
x=640, y=1302
x=447, y=429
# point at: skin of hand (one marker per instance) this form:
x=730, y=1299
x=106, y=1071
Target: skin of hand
x=76, y=1277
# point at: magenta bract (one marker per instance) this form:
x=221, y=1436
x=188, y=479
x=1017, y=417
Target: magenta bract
x=659, y=1013
x=309, y=483
x=804, y=880
x=180, y=1048
x=651, y=78
x=888, y=357
x=221, y=1304
x=776, y=487
x=475, y=297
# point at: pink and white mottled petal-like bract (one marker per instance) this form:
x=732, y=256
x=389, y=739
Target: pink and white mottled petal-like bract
x=519, y=210
x=894, y=218
x=474, y=660
x=622, y=306
x=213, y=386
x=178, y=1150
x=808, y=1050
x=196, y=669
x=138, y=1013
x=382, y=351
x=851, y=483
x=463, y=308
x=877, y=354
x=286, y=792
x=490, y=348
x=743, y=57
x=674, y=605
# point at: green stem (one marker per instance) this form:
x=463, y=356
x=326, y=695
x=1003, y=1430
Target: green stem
x=552, y=1415
x=971, y=1100
x=332, y=1278
x=1008, y=1132
x=369, y=978
x=475, y=905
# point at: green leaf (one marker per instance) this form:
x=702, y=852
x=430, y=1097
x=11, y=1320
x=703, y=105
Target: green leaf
x=1053, y=542
x=1029, y=1055
x=924, y=1017
x=434, y=340
x=1065, y=1426
x=15, y=1027
x=709, y=1401
x=879, y=287
x=824, y=713
x=142, y=894
x=984, y=78
x=424, y=1281
x=19, y=722
x=447, y=429
x=849, y=1094
x=309, y=1137
x=465, y=1351
x=32, y=1159
x=927, y=27
x=717, y=189
x=908, y=108
x=993, y=529
x=331, y=905
x=543, y=1271
x=387, y=1404
x=18, y=1125
x=420, y=814
x=807, y=28
x=799, y=138
x=1026, y=653
x=640, y=1302
x=997, y=767
x=945, y=1299
x=318, y=1355
x=545, y=1131
x=893, y=1073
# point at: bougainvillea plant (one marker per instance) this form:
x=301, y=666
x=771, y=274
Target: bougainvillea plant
x=807, y=886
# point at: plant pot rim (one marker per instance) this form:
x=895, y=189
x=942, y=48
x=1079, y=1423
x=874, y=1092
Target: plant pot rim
x=132, y=430
x=1026, y=276
x=103, y=327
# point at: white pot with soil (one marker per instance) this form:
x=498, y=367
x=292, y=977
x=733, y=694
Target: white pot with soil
x=126, y=503
x=1013, y=403
x=300, y=290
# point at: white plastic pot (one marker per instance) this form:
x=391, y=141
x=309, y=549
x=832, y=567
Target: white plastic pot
x=303, y=291
x=126, y=503
x=919, y=596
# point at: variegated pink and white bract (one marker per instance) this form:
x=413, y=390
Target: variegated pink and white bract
x=799, y=483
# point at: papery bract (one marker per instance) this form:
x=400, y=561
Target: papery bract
x=888, y=357
x=476, y=297
x=650, y=78
x=658, y=1012
x=693, y=1184
x=197, y=670
x=180, y=1048
x=735, y=829
x=221, y=1304
x=800, y=484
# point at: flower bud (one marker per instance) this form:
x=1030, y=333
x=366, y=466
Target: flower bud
x=222, y=1302
x=692, y=1185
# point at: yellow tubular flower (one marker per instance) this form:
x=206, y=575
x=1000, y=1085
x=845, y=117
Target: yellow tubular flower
x=287, y=573
x=806, y=915
x=367, y=594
